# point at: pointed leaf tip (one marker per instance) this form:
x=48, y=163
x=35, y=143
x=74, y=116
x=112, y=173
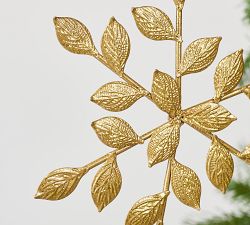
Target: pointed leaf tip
x=107, y=183
x=115, y=132
x=186, y=184
x=149, y=209
x=115, y=45
x=219, y=165
x=74, y=36
x=60, y=183
x=164, y=142
x=199, y=55
x=117, y=96
x=209, y=117
x=228, y=74
x=165, y=93
x=154, y=23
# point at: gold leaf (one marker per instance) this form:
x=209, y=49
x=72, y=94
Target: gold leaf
x=165, y=93
x=117, y=96
x=153, y=23
x=199, y=55
x=208, y=117
x=228, y=74
x=245, y=155
x=179, y=3
x=107, y=183
x=60, y=183
x=186, y=184
x=164, y=142
x=148, y=210
x=115, y=132
x=115, y=45
x=247, y=91
x=74, y=36
x=220, y=165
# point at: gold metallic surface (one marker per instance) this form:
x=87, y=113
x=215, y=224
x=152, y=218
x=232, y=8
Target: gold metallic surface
x=60, y=183
x=186, y=184
x=247, y=91
x=153, y=23
x=179, y=4
x=199, y=55
x=228, y=74
x=245, y=155
x=117, y=96
x=220, y=165
x=206, y=117
x=209, y=117
x=148, y=210
x=165, y=93
x=74, y=36
x=115, y=45
x=115, y=132
x=164, y=142
x=107, y=183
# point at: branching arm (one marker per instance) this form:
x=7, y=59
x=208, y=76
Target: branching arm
x=102, y=159
x=124, y=76
x=234, y=93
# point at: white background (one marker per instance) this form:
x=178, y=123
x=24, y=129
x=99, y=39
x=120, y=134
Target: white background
x=46, y=113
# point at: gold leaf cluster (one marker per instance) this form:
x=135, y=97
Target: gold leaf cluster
x=207, y=117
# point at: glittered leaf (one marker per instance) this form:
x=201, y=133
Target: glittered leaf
x=199, y=55
x=220, y=165
x=74, y=36
x=117, y=96
x=60, y=183
x=148, y=210
x=165, y=93
x=186, y=184
x=164, y=142
x=107, y=183
x=208, y=117
x=153, y=23
x=115, y=45
x=115, y=132
x=228, y=74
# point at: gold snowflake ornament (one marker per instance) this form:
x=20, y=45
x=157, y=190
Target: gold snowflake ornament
x=207, y=117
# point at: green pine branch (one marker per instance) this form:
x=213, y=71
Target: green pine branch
x=240, y=191
x=228, y=219
x=246, y=77
x=247, y=11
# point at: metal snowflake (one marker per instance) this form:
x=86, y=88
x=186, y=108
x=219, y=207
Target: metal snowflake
x=207, y=117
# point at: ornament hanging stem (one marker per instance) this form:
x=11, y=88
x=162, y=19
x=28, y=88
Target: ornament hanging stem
x=178, y=56
x=178, y=47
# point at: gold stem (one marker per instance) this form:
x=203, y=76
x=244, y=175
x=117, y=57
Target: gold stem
x=124, y=76
x=178, y=47
x=102, y=159
x=166, y=187
x=178, y=56
x=167, y=178
x=234, y=93
x=210, y=136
